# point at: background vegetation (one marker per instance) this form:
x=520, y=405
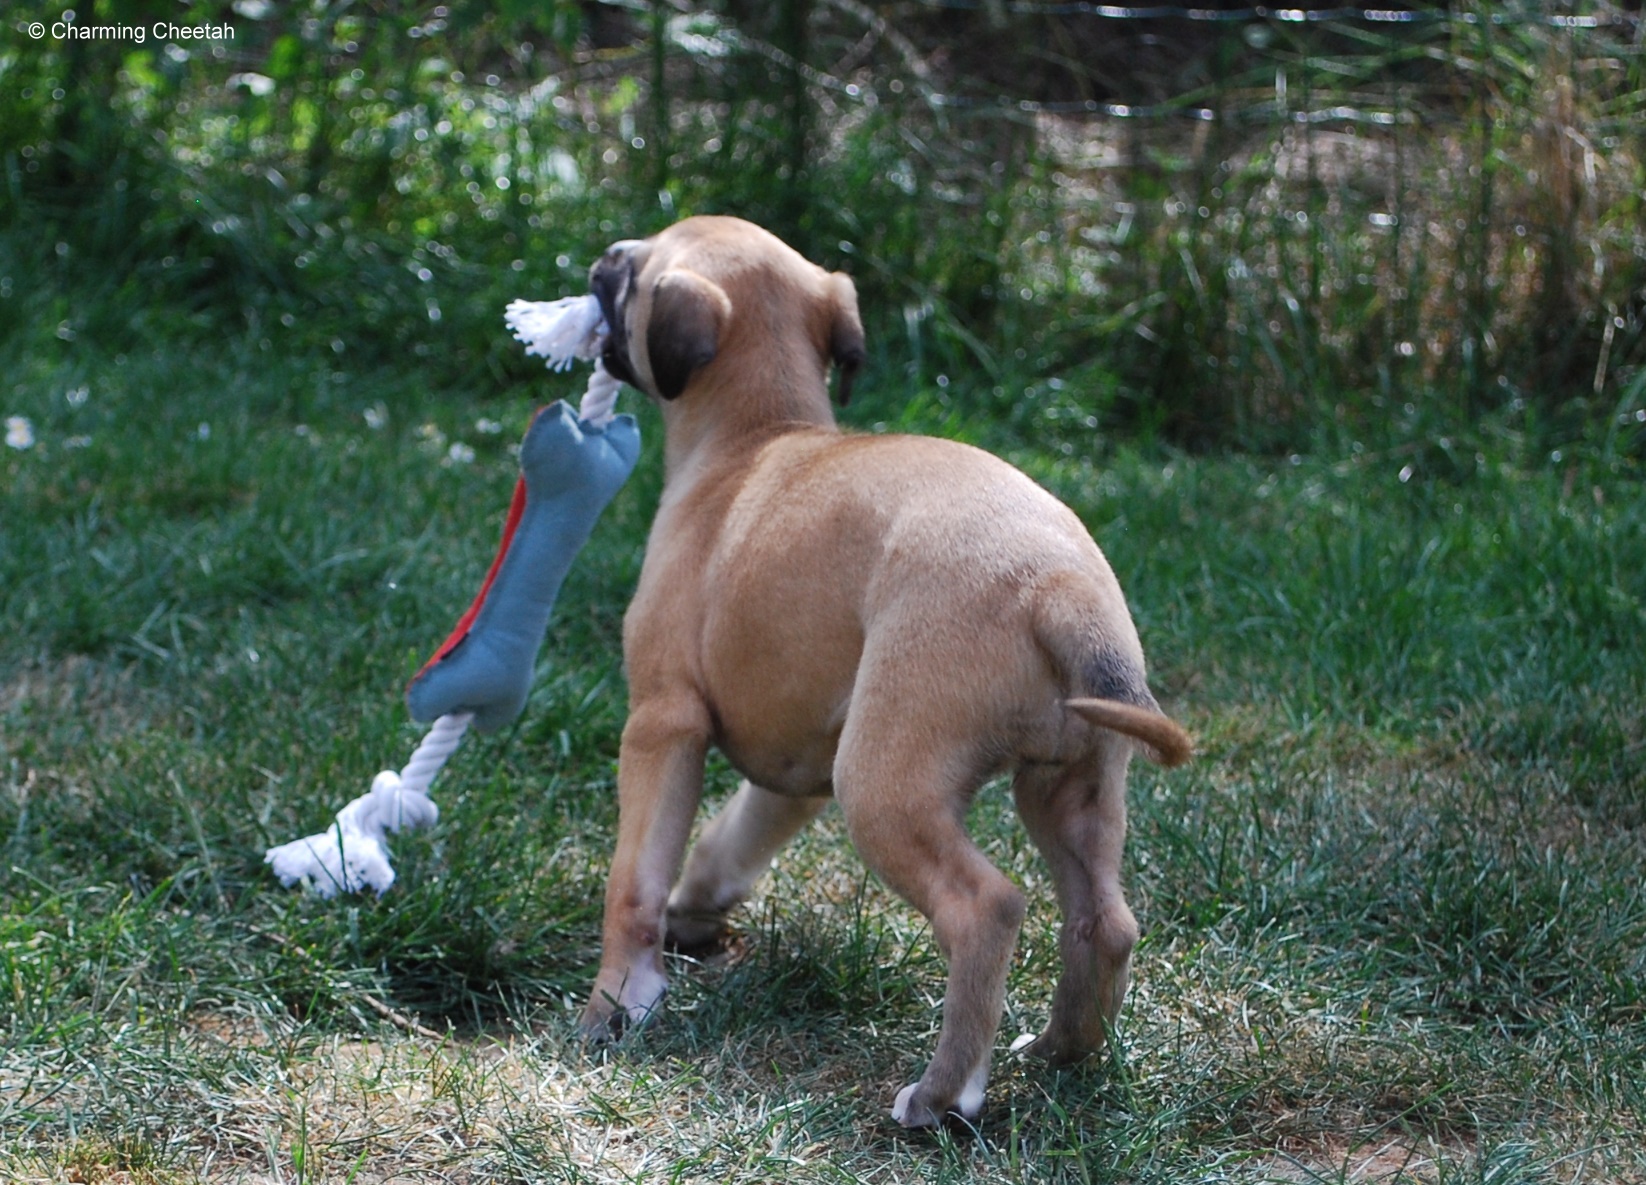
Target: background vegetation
x=1236, y=229
x=1328, y=324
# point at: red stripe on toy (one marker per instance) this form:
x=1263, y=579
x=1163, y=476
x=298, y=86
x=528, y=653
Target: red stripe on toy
x=464, y=623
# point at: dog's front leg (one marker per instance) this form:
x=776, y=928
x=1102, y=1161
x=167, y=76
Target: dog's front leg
x=659, y=783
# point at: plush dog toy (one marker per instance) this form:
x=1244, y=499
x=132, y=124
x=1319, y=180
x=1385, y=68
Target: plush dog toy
x=571, y=466
x=569, y=472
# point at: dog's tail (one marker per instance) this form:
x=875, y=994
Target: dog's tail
x=1163, y=738
x=1081, y=622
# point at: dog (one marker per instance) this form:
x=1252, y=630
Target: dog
x=886, y=621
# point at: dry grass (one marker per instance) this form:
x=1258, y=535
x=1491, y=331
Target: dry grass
x=1251, y=1053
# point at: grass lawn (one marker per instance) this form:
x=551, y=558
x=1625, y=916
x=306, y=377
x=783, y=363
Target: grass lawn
x=1394, y=923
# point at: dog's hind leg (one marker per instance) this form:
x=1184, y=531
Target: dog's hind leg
x=1076, y=816
x=903, y=806
x=733, y=852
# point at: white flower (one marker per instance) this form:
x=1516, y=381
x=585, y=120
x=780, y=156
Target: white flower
x=488, y=427
x=459, y=454
x=376, y=416
x=260, y=85
x=19, y=432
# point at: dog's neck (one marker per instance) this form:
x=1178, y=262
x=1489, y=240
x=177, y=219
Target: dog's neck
x=723, y=421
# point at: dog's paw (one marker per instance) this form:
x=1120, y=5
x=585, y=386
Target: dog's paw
x=604, y=1021
x=612, y=1010
x=1050, y=1049
x=914, y=1109
x=696, y=932
x=910, y=1112
x=599, y=1026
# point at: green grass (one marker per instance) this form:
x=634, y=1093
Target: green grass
x=1393, y=914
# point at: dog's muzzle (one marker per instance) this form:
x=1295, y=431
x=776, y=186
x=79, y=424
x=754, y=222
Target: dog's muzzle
x=611, y=280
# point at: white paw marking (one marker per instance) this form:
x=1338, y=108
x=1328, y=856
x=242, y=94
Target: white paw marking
x=970, y=1103
x=641, y=993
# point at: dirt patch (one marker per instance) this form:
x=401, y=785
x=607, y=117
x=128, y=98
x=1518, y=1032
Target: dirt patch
x=98, y=697
x=1335, y=1158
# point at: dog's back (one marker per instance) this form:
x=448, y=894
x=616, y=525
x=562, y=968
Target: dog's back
x=848, y=562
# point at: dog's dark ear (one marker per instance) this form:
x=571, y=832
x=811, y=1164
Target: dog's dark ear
x=688, y=312
x=846, y=345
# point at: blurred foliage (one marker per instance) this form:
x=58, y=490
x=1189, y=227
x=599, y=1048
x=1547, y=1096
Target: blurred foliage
x=1229, y=231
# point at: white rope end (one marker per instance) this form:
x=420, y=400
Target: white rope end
x=353, y=853
x=559, y=330
x=563, y=331
x=342, y=860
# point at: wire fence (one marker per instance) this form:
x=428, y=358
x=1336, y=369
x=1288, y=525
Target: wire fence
x=1241, y=208
x=1374, y=16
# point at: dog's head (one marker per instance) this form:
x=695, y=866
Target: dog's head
x=712, y=301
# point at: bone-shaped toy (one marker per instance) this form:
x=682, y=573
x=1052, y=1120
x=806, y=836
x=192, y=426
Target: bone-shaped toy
x=571, y=466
